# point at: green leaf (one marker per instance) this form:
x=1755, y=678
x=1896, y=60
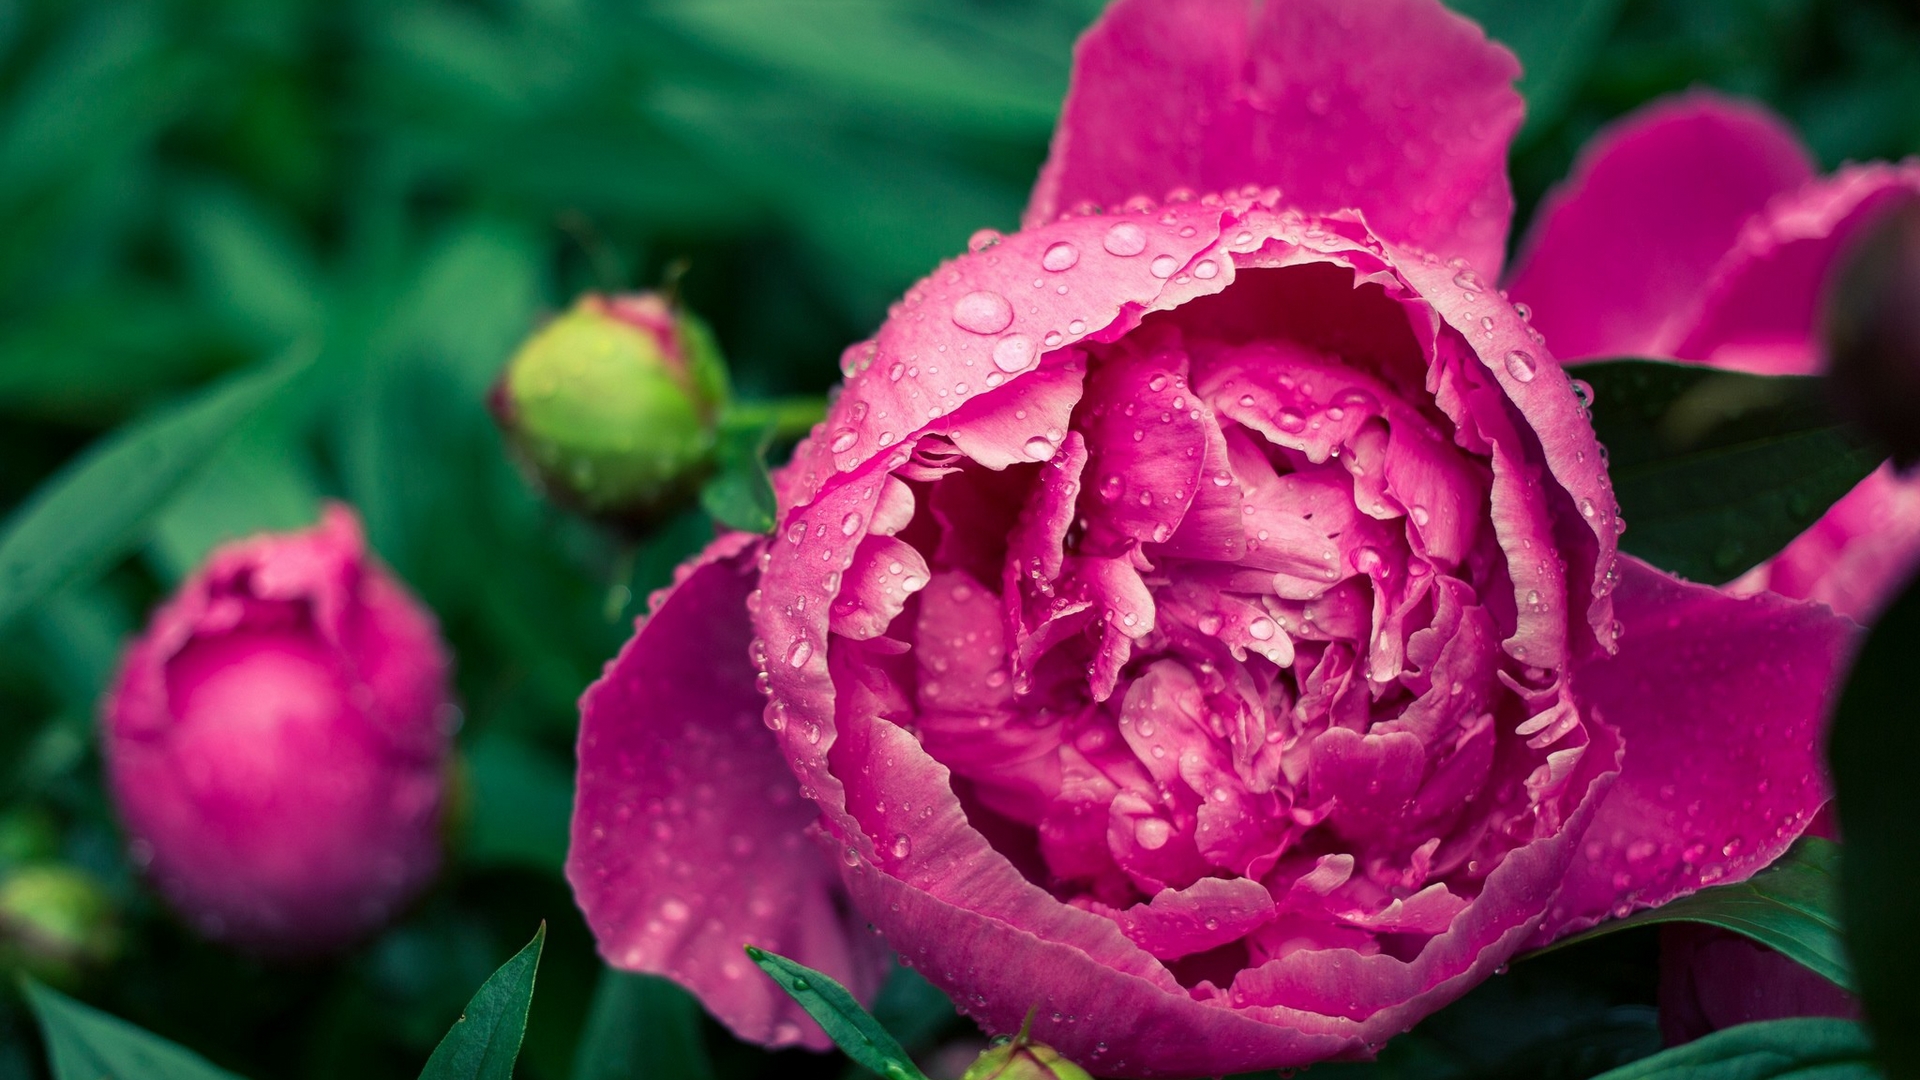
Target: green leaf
x=484, y=1042
x=641, y=1026
x=90, y=513
x=1718, y=470
x=1805, y=1049
x=739, y=495
x=1791, y=907
x=84, y=1043
x=846, y=1023
x=1872, y=750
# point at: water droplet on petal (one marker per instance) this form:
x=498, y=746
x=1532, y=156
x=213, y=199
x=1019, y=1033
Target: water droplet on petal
x=1521, y=365
x=799, y=653
x=1163, y=266
x=843, y=440
x=902, y=846
x=1153, y=833
x=1013, y=353
x=1290, y=420
x=982, y=312
x=1125, y=238
x=850, y=525
x=1060, y=256
x=1260, y=629
x=1039, y=449
x=983, y=239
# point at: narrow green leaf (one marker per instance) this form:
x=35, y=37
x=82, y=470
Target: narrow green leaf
x=1875, y=742
x=96, y=508
x=1791, y=907
x=485, y=1041
x=1718, y=470
x=1803, y=1049
x=739, y=495
x=847, y=1024
x=84, y=1043
x=641, y=1027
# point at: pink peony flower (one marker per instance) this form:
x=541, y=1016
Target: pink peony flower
x=1199, y=617
x=275, y=742
x=1748, y=237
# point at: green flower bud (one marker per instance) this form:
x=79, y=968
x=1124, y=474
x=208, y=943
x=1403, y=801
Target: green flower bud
x=55, y=922
x=613, y=406
x=1020, y=1058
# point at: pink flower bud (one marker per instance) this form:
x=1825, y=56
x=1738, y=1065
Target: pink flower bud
x=275, y=742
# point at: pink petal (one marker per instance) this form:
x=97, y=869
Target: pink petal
x=1618, y=255
x=1857, y=556
x=1762, y=302
x=1204, y=915
x=1721, y=703
x=1398, y=108
x=688, y=829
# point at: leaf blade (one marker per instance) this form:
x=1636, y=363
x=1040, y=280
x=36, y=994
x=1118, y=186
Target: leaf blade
x=739, y=495
x=84, y=1043
x=1791, y=907
x=1804, y=1047
x=851, y=1027
x=1715, y=470
x=1869, y=751
x=641, y=1027
x=95, y=509
x=485, y=1041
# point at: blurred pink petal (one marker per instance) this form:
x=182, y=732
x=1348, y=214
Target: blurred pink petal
x=1397, y=108
x=1616, y=261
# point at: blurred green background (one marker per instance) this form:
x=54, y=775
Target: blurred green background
x=188, y=187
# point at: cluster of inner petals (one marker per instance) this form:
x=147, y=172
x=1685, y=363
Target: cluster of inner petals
x=1237, y=664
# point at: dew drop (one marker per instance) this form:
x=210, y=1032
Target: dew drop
x=1163, y=266
x=1076, y=327
x=1013, y=353
x=1206, y=270
x=1039, y=449
x=902, y=846
x=1126, y=238
x=843, y=440
x=1260, y=629
x=983, y=239
x=850, y=525
x=1469, y=281
x=800, y=652
x=982, y=312
x=1060, y=256
x=1420, y=516
x=1290, y=420
x=1521, y=365
x=1153, y=833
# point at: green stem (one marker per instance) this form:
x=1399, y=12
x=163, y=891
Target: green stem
x=790, y=417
